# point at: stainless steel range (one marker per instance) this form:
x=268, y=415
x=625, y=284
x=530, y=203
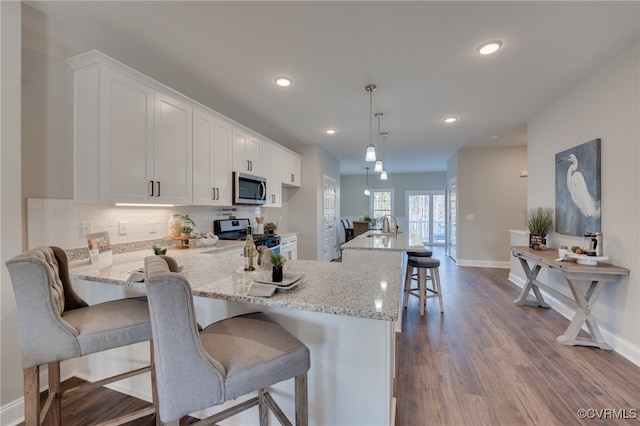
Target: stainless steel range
x=236, y=229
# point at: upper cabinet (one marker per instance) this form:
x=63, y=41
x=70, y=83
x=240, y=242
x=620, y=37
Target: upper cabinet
x=132, y=143
x=212, y=154
x=247, y=153
x=272, y=169
x=138, y=141
x=290, y=169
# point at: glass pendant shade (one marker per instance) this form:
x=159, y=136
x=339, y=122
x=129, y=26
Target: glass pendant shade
x=367, y=192
x=366, y=188
x=371, y=153
x=383, y=175
x=378, y=166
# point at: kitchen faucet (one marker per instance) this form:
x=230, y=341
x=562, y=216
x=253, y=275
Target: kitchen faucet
x=385, y=225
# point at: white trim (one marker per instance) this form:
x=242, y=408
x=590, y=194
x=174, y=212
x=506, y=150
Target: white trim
x=483, y=263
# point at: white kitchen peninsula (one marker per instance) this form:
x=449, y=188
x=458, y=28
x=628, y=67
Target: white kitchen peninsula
x=344, y=314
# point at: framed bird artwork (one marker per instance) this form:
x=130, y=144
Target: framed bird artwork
x=578, y=189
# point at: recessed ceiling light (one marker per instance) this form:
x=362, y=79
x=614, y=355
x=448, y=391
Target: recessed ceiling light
x=330, y=131
x=489, y=47
x=451, y=119
x=283, y=81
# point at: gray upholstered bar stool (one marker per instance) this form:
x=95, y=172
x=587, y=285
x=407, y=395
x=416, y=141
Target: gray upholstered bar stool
x=424, y=292
x=56, y=324
x=230, y=358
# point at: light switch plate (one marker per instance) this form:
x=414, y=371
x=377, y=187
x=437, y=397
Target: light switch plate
x=122, y=227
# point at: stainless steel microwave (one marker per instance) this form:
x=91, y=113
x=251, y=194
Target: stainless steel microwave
x=249, y=189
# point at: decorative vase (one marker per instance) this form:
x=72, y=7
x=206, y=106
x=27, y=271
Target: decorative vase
x=276, y=274
x=174, y=225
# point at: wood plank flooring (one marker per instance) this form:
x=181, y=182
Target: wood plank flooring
x=485, y=361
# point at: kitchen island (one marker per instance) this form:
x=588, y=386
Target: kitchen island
x=345, y=315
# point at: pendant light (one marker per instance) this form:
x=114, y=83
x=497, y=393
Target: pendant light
x=378, y=166
x=383, y=174
x=371, y=149
x=366, y=188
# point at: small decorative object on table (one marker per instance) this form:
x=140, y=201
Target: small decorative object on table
x=270, y=227
x=278, y=263
x=539, y=221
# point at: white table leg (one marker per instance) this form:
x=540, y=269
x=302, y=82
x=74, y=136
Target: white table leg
x=531, y=284
x=584, y=303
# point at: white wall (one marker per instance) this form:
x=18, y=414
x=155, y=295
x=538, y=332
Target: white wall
x=605, y=105
x=11, y=206
x=305, y=203
x=491, y=200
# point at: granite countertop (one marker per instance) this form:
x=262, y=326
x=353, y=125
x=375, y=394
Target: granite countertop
x=363, y=291
x=375, y=240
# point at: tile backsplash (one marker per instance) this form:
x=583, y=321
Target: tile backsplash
x=59, y=222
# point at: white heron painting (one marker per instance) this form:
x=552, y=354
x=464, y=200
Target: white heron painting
x=578, y=189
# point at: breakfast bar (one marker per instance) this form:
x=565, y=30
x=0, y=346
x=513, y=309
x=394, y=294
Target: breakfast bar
x=345, y=314
x=596, y=276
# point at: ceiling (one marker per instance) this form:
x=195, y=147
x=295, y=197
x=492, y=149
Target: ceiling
x=420, y=54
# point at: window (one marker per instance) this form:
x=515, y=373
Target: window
x=426, y=215
x=381, y=203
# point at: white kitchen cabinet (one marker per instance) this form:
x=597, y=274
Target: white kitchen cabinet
x=172, y=151
x=212, y=157
x=290, y=169
x=247, y=153
x=289, y=246
x=271, y=169
x=132, y=142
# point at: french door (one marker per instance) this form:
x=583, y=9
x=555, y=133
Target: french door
x=426, y=215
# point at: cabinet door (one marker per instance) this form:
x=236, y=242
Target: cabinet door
x=172, y=151
x=290, y=170
x=271, y=169
x=253, y=152
x=247, y=153
x=211, y=160
x=222, y=163
x=126, y=138
x=204, y=191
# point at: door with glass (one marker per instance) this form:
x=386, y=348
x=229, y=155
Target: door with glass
x=426, y=215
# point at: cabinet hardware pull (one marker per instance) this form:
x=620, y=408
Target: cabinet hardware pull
x=217, y=193
x=248, y=165
x=158, y=183
x=151, y=191
x=292, y=177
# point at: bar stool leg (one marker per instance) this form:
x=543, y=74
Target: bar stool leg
x=436, y=280
x=32, y=396
x=422, y=283
x=407, y=285
x=55, y=388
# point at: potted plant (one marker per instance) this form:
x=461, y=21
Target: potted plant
x=159, y=250
x=185, y=230
x=277, y=260
x=270, y=227
x=367, y=218
x=539, y=221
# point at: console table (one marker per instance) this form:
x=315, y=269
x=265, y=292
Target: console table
x=584, y=298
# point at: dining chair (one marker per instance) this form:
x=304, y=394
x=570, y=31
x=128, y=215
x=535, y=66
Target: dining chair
x=198, y=369
x=55, y=324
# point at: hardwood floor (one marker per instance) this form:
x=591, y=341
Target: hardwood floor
x=485, y=361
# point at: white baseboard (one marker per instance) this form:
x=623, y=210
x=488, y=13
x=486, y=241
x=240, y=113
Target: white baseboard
x=621, y=346
x=483, y=263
